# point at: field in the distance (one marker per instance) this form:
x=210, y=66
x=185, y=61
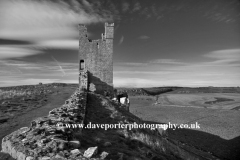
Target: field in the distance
x=217, y=113
x=202, y=100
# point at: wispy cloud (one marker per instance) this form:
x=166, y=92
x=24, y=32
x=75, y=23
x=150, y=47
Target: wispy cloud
x=9, y=51
x=21, y=65
x=60, y=67
x=143, y=37
x=154, y=10
x=15, y=72
x=32, y=67
x=30, y=81
x=222, y=13
x=227, y=55
x=9, y=69
x=166, y=61
x=125, y=7
x=134, y=82
x=145, y=12
x=59, y=44
x=136, y=7
x=216, y=68
x=143, y=72
x=131, y=64
x=45, y=20
x=121, y=40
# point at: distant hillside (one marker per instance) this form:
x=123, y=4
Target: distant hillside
x=208, y=90
x=147, y=91
x=29, y=87
x=132, y=91
x=160, y=90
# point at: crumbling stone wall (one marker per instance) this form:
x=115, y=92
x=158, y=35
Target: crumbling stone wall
x=43, y=139
x=96, y=56
x=83, y=80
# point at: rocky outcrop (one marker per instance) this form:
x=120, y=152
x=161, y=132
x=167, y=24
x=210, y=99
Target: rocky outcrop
x=46, y=138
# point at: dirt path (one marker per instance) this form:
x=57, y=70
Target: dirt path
x=54, y=100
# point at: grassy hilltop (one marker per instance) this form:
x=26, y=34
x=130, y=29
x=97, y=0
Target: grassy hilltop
x=215, y=108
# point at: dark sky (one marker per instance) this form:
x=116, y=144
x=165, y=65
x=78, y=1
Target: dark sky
x=156, y=43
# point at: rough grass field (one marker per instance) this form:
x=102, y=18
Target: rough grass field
x=19, y=111
x=202, y=100
x=219, y=131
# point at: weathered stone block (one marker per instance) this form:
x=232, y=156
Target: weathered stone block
x=90, y=152
x=21, y=156
x=29, y=158
x=76, y=152
x=13, y=153
x=75, y=144
x=92, y=87
x=45, y=158
x=104, y=155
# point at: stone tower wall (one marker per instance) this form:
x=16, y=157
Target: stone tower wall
x=98, y=57
x=109, y=35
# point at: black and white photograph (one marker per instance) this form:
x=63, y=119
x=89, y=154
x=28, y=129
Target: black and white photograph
x=119, y=79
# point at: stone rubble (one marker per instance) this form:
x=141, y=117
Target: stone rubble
x=75, y=151
x=104, y=155
x=44, y=139
x=90, y=152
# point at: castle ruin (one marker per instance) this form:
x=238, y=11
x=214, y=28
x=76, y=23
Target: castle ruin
x=59, y=135
x=96, y=60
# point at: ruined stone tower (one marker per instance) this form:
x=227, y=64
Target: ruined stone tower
x=96, y=60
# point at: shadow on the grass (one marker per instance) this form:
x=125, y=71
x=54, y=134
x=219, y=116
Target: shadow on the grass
x=135, y=144
x=219, y=147
x=102, y=111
